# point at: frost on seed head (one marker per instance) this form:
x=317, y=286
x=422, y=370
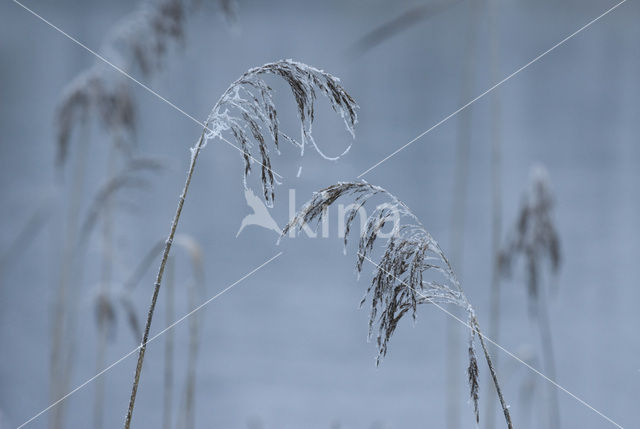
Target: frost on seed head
x=247, y=114
x=412, y=270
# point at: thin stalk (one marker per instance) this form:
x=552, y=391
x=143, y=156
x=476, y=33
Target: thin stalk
x=154, y=298
x=59, y=371
x=98, y=404
x=549, y=363
x=190, y=391
x=494, y=376
x=460, y=191
x=196, y=291
x=496, y=200
x=26, y=235
x=105, y=284
x=168, y=351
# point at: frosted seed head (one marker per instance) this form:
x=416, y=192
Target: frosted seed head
x=409, y=256
x=247, y=114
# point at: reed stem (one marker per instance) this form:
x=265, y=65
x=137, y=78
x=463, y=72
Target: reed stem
x=62, y=327
x=156, y=289
x=549, y=362
x=194, y=340
x=494, y=376
x=105, y=285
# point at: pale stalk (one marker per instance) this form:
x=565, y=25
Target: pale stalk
x=168, y=351
x=59, y=369
x=190, y=390
x=496, y=202
x=549, y=361
x=458, y=212
x=105, y=284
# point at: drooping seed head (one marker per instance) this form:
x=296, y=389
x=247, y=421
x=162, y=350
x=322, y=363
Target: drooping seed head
x=247, y=114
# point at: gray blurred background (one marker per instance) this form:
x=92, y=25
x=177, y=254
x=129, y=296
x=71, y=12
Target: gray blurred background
x=287, y=347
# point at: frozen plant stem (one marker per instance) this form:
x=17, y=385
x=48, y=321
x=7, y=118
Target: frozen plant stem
x=494, y=376
x=246, y=113
x=412, y=270
x=165, y=255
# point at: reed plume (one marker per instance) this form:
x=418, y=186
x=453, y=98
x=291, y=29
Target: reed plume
x=534, y=237
x=534, y=240
x=93, y=93
x=412, y=270
x=139, y=43
x=246, y=114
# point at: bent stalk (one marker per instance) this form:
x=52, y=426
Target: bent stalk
x=247, y=114
x=413, y=270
